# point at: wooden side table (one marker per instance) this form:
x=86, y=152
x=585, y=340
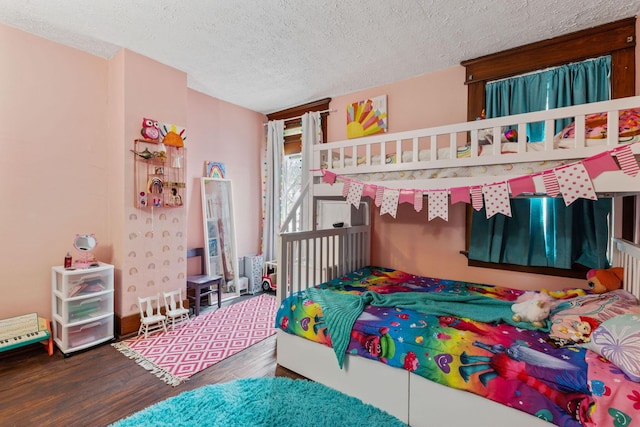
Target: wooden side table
x=201, y=285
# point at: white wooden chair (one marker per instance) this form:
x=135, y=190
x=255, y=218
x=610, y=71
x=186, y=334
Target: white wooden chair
x=150, y=317
x=175, y=310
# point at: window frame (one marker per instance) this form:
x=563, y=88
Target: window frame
x=617, y=39
x=293, y=125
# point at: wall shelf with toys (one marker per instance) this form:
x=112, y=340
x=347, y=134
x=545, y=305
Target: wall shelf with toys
x=159, y=168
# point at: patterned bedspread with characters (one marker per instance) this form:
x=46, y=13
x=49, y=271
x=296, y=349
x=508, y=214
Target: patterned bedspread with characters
x=517, y=367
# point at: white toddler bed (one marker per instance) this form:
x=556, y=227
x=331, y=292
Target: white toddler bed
x=308, y=258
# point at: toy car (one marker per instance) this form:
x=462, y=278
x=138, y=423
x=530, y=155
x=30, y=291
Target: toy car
x=269, y=274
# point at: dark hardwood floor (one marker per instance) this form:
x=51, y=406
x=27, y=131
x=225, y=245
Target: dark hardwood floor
x=100, y=386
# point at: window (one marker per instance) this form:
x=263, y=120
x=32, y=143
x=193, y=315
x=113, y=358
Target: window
x=293, y=126
x=291, y=184
x=616, y=39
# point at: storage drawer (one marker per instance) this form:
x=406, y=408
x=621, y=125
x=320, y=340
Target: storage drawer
x=83, y=282
x=90, y=307
x=73, y=338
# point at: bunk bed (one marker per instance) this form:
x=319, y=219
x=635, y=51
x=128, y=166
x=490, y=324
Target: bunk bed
x=452, y=159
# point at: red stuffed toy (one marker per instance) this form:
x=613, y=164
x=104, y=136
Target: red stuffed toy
x=605, y=280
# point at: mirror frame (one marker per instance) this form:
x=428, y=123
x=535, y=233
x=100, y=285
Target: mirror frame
x=231, y=239
x=85, y=242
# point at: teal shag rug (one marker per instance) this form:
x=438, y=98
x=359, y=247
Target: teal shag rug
x=269, y=402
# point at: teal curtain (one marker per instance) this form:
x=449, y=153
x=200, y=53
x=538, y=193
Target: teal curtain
x=543, y=232
x=516, y=96
x=571, y=84
x=579, y=83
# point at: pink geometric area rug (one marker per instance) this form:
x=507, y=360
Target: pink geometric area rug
x=206, y=340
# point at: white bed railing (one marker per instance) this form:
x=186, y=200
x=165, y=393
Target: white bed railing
x=308, y=258
x=342, y=157
x=627, y=255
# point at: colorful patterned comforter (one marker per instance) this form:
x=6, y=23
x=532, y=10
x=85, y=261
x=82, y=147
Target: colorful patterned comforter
x=513, y=366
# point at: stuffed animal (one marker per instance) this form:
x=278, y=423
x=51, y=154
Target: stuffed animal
x=532, y=307
x=605, y=280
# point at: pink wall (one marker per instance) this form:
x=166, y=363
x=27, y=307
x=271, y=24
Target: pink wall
x=54, y=174
x=232, y=135
x=69, y=120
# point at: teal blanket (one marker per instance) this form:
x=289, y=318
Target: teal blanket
x=342, y=309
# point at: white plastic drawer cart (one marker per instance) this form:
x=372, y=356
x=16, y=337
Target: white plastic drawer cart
x=82, y=307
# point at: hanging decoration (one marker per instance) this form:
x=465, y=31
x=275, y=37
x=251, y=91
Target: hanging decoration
x=379, y=194
x=417, y=200
x=390, y=199
x=438, y=205
x=573, y=181
x=627, y=161
x=496, y=199
x=551, y=186
x=476, y=197
x=355, y=193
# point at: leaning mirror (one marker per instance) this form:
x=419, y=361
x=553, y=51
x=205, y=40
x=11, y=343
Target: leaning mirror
x=219, y=233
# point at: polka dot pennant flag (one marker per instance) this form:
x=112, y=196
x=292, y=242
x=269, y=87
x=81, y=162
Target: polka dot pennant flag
x=496, y=199
x=390, y=199
x=575, y=183
x=328, y=177
x=550, y=183
x=476, y=197
x=438, y=205
x=627, y=161
x=355, y=193
x=418, y=200
x=379, y=194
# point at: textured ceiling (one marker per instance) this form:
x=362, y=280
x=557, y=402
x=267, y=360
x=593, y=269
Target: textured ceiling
x=268, y=55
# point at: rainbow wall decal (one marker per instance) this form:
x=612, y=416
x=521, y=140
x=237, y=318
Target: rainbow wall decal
x=367, y=117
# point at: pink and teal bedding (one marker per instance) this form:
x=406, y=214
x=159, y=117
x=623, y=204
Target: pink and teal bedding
x=518, y=367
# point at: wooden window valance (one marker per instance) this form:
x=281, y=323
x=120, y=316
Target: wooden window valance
x=293, y=125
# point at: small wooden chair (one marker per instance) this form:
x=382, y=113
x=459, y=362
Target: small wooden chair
x=174, y=307
x=150, y=317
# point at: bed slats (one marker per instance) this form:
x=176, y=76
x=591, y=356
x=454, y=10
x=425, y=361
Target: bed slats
x=308, y=258
x=627, y=255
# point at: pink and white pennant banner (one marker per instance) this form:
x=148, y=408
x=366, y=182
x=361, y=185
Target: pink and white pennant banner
x=476, y=197
x=390, y=200
x=345, y=188
x=369, y=191
x=418, y=200
x=628, y=162
x=460, y=194
x=328, y=177
x=551, y=186
x=522, y=184
x=575, y=183
x=438, y=205
x=496, y=199
x=599, y=163
x=355, y=193
x=379, y=194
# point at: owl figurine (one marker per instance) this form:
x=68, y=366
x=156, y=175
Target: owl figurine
x=150, y=129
